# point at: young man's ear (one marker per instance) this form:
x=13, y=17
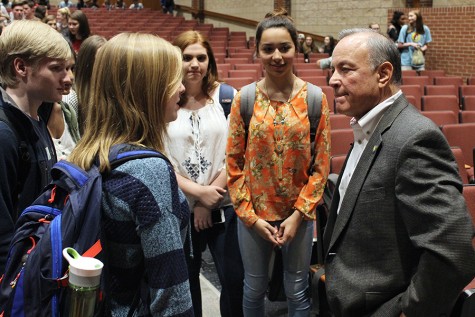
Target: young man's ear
x=19, y=65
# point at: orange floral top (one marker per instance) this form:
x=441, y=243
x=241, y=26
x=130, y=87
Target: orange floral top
x=270, y=178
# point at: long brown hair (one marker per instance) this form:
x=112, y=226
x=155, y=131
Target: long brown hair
x=188, y=38
x=419, y=24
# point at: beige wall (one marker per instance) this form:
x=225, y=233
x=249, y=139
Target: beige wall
x=452, y=3
x=320, y=17
x=325, y=17
x=251, y=10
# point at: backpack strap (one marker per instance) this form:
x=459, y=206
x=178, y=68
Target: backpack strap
x=248, y=97
x=314, y=112
x=226, y=96
x=314, y=108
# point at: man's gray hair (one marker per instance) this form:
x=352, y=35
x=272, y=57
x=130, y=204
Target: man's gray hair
x=381, y=50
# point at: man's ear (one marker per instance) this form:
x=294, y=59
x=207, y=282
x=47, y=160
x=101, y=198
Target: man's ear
x=385, y=73
x=20, y=66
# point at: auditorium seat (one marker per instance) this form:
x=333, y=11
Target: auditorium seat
x=442, y=90
x=432, y=74
x=256, y=67
x=330, y=94
x=316, y=80
x=411, y=100
x=459, y=158
x=237, y=43
x=339, y=121
x=463, y=136
x=241, y=55
x=238, y=82
x=471, y=81
x=410, y=73
x=341, y=141
x=467, y=90
x=309, y=72
x=422, y=81
x=415, y=91
x=449, y=80
x=467, y=116
x=235, y=73
x=236, y=60
x=468, y=103
x=225, y=68
x=336, y=163
x=442, y=117
x=440, y=102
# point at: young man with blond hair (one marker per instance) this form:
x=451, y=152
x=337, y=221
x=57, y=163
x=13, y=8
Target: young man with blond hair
x=33, y=70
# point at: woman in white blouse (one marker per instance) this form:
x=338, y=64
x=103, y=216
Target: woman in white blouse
x=196, y=147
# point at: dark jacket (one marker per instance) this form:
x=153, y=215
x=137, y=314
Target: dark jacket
x=402, y=240
x=21, y=180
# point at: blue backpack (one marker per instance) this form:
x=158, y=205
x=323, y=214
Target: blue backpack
x=66, y=214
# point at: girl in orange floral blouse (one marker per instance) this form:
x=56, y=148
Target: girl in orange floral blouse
x=273, y=193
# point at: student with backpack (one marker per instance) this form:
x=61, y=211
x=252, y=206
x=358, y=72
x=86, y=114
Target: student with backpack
x=273, y=180
x=196, y=147
x=136, y=87
x=33, y=70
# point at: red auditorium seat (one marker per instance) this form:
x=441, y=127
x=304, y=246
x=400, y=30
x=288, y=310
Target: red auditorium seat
x=224, y=68
x=468, y=103
x=330, y=94
x=440, y=102
x=449, y=80
x=442, y=117
x=316, y=80
x=463, y=136
x=339, y=121
x=309, y=72
x=236, y=60
x=241, y=55
x=459, y=158
x=256, y=67
x=409, y=73
x=235, y=73
x=336, y=163
x=341, y=140
x=415, y=91
x=422, y=81
x=471, y=81
x=219, y=57
x=442, y=90
x=238, y=82
x=411, y=99
x=467, y=90
x=432, y=74
x=467, y=116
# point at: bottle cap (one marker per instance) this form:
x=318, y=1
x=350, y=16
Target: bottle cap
x=83, y=271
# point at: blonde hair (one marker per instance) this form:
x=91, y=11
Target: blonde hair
x=65, y=12
x=133, y=78
x=32, y=41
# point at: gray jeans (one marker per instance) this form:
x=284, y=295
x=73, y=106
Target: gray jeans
x=256, y=253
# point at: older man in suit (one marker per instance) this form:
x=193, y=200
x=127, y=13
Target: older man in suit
x=398, y=238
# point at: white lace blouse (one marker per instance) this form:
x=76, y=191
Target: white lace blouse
x=196, y=143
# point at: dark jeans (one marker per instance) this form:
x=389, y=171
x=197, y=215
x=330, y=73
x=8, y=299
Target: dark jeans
x=223, y=244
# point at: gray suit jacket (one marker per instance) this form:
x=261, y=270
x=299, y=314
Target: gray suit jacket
x=402, y=239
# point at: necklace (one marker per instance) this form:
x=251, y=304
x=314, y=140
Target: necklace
x=291, y=92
